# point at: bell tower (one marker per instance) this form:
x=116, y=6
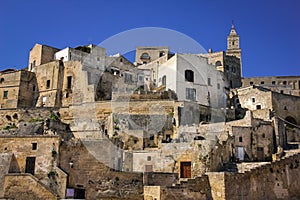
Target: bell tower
x=233, y=43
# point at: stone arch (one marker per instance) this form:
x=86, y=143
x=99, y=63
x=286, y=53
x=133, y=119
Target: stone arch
x=218, y=63
x=292, y=120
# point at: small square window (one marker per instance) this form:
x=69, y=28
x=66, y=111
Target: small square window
x=273, y=82
x=149, y=158
x=34, y=146
x=262, y=82
x=258, y=107
x=251, y=82
x=240, y=139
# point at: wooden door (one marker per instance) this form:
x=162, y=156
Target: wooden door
x=185, y=170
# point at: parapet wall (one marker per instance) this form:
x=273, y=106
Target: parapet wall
x=276, y=180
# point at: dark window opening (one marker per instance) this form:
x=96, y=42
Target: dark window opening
x=273, y=82
x=149, y=158
x=164, y=80
x=284, y=82
x=281, y=91
x=69, y=84
x=1, y=80
x=151, y=137
x=208, y=81
x=285, y=108
x=240, y=139
x=33, y=88
x=262, y=82
x=189, y=75
x=218, y=86
x=251, y=82
x=253, y=100
x=218, y=63
x=34, y=146
x=231, y=84
x=258, y=107
x=67, y=95
x=263, y=135
x=145, y=56
x=161, y=54
x=48, y=84
x=121, y=59
x=5, y=94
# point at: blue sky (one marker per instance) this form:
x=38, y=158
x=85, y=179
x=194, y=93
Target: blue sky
x=269, y=29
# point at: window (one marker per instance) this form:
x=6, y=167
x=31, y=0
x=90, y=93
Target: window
x=284, y=82
x=164, y=80
x=34, y=146
x=285, y=108
x=33, y=63
x=218, y=86
x=161, y=54
x=141, y=78
x=48, y=84
x=33, y=88
x=273, y=82
x=151, y=137
x=208, y=81
x=218, y=63
x=281, y=91
x=89, y=76
x=1, y=80
x=191, y=94
x=69, y=84
x=189, y=75
x=253, y=100
x=251, y=82
x=5, y=94
x=149, y=158
x=263, y=135
x=258, y=107
x=231, y=84
x=240, y=139
x=121, y=59
x=145, y=56
x=128, y=78
x=262, y=82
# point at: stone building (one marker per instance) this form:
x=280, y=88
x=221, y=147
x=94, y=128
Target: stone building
x=281, y=84
x=17, y=89
x=265, y=103
x=229, y=62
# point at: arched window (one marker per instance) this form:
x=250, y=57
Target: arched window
x=145, y=56
x=164, y=80
x=189, y=75
x=218, y=63
x=1, y=80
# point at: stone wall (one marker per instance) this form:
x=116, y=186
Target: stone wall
x=284, y=84
x=87, y=172
x=197, y=188
x=15, y=116
x=24, y=187
x=271, y=181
